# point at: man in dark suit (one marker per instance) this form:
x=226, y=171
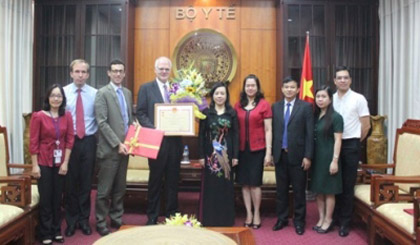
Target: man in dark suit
x=167, y=164
x=292, y=150
x=113, y=113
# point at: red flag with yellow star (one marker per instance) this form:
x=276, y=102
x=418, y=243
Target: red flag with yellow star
x=306, y=81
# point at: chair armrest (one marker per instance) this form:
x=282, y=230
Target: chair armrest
x=18, y=165
x=377, y=166
x=384, y=188
x=17, y=191
x=366, y=170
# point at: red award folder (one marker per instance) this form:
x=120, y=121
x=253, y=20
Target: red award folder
x=143, y=142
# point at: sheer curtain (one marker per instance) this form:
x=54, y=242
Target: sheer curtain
x=16, y=41
x=399, y=64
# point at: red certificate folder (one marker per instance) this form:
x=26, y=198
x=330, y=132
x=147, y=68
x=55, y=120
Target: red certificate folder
x=143, y=142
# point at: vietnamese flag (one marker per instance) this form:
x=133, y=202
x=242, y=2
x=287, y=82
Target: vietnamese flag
x=306, y=81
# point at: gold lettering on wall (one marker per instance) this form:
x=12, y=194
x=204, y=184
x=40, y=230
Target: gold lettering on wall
x=190, y=13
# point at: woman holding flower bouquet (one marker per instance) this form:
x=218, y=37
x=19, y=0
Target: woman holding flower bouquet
x=254, y=116
x=219, y=144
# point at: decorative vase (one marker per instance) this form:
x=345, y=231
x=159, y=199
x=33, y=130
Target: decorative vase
x=377, y=143
x=26, y=154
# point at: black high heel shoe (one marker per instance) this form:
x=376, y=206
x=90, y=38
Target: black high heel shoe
x=248, y=224
x=322, y=231
x=256, y=227
x=316, y=227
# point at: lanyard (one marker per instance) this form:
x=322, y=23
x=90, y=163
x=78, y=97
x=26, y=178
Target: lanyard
x=56, y=124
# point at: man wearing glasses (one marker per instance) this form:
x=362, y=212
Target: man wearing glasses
x=113, y=114
x=167, y=164
x=80, y=102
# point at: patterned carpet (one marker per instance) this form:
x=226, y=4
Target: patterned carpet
x=135, y=215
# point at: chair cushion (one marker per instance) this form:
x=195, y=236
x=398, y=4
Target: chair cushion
x=8, y=213
x=269, y=176
x=395, y=212
x=407, y=164
x=35, y=196
x=138, y=163
x=138, y=175
x=362, y=192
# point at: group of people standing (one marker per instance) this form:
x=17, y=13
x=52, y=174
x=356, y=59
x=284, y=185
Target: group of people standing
x=79, y=126
x=299, y=139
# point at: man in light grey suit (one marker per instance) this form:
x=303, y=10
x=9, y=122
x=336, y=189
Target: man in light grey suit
x=113, y=112
x=292, y=152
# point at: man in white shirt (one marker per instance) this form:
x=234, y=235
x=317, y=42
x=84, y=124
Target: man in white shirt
x=354, y=109
x=80, y=102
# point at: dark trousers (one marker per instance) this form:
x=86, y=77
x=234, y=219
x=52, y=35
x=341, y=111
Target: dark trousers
x=50, y=188
x=112, y=182
x=165, y=169
x=349, y=160
x=79, y=180
x=286, y=174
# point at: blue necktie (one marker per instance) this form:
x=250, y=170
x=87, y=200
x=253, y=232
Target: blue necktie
x=165, y=93
x=122, y=108
x=286, y=121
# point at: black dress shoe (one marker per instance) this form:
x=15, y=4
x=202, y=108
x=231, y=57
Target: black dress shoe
x=300, y=229
x=344, y=231
x=279, y=225
x=85, y=229
x=103, y=231
x=116, y=225
x=70, y=230
x=59, y=239
x=151, y=222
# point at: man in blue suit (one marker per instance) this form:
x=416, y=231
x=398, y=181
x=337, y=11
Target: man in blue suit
x=292, y=151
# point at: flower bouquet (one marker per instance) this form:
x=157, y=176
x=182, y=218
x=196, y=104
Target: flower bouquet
x=179, y=220
x=189, y=87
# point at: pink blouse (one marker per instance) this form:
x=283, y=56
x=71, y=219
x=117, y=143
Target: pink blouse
x=43, y=137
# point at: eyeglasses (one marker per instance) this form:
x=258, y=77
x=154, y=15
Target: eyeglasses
x=118, y=71
x=164, y=69
x=57, y=96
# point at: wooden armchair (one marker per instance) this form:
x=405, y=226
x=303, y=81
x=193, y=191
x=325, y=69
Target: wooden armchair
x=395, y=214
x=406, y=163
x=31, y=210
x=15, y=218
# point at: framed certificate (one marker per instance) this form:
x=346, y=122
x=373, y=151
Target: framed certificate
x=175, y=119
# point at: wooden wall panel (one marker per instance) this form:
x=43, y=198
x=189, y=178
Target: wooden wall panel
x=258, y=15
x=257, y=51
x=149, y=44
x=252, y=33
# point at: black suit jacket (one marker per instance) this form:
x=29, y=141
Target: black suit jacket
x=149, y=94
x=300, y=131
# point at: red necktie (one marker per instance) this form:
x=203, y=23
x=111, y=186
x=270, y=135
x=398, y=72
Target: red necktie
x=80, y=117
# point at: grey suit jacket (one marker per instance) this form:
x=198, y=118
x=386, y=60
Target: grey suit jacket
x=149, y=94
x=300, y=131
x=110, y=120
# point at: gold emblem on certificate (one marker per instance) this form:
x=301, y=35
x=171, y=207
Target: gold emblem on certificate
x=175, y=119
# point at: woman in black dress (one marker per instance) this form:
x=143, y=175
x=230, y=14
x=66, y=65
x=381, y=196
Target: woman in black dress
x=254, y=117
x=219, y=142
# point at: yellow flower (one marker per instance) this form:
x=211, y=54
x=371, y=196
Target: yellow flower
x=190, y=89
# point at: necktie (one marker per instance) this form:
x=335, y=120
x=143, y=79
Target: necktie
x=123, y=108
x=286, y=121
x=80, y=117
x=165, y=93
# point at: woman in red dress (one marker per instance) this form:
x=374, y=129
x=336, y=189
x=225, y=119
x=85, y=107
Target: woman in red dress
x=254, y=117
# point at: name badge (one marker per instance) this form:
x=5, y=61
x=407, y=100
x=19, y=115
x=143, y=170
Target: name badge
x=58, y=153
